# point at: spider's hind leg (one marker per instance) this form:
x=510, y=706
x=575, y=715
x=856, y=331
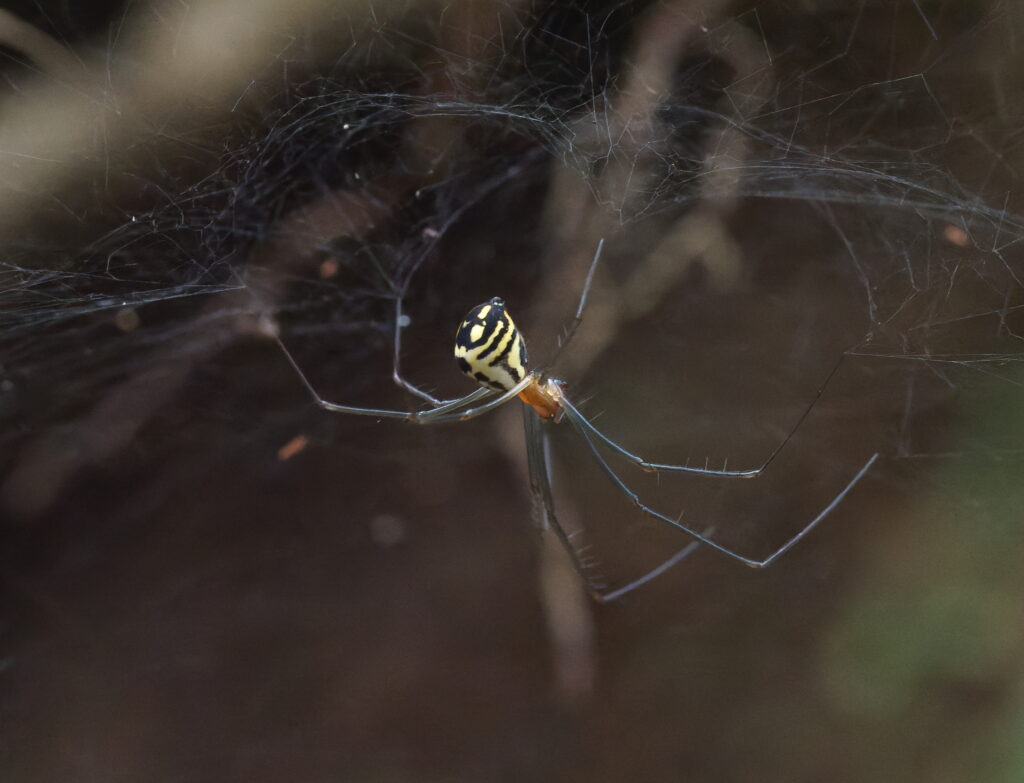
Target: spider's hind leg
x=544, y=503
x=583, y=427
x=544, y=509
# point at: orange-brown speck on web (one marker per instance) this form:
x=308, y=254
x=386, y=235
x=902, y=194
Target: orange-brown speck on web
x=292, y=447
x=956, y=235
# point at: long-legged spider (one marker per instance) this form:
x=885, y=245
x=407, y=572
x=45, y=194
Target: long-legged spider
x=490, y=349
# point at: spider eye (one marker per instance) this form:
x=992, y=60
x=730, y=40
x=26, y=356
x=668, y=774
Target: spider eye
x=489, y=348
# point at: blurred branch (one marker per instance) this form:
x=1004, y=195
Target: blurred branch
x=45, y=51
x=200, y=53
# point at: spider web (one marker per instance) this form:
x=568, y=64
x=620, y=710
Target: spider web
x=792, y=195
x=915, y=189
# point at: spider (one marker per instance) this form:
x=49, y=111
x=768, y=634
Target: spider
x=490, y=349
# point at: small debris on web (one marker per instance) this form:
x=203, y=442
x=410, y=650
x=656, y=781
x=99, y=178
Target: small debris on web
x=292, y=447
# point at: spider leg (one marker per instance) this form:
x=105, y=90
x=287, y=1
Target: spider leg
x=581, y=427
x=544, y=506
x=578, y=318
x=582, y=422
x=453, y=411
x=543, y=500
x=682, y=554
x=382, y=413
x=442, y=412
x=451, y=406
x=396, y=369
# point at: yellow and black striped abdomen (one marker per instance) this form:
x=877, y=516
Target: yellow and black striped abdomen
x=489, y=348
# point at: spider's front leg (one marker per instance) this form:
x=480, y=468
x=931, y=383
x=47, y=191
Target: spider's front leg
x=401, y=321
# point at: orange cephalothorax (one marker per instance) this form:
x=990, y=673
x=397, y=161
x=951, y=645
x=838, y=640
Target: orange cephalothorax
x=545, y=397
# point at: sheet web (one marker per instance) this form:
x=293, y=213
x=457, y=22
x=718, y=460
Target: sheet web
x=398, y=152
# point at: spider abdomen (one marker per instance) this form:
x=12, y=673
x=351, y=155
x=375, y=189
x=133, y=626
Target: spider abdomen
x=489, y=347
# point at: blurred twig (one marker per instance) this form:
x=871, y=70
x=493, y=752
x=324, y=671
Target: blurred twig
x=663, y=37
x=46, y=52
x=201, y=54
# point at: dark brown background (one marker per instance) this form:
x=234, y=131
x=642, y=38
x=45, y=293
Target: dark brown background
x=181, y=603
